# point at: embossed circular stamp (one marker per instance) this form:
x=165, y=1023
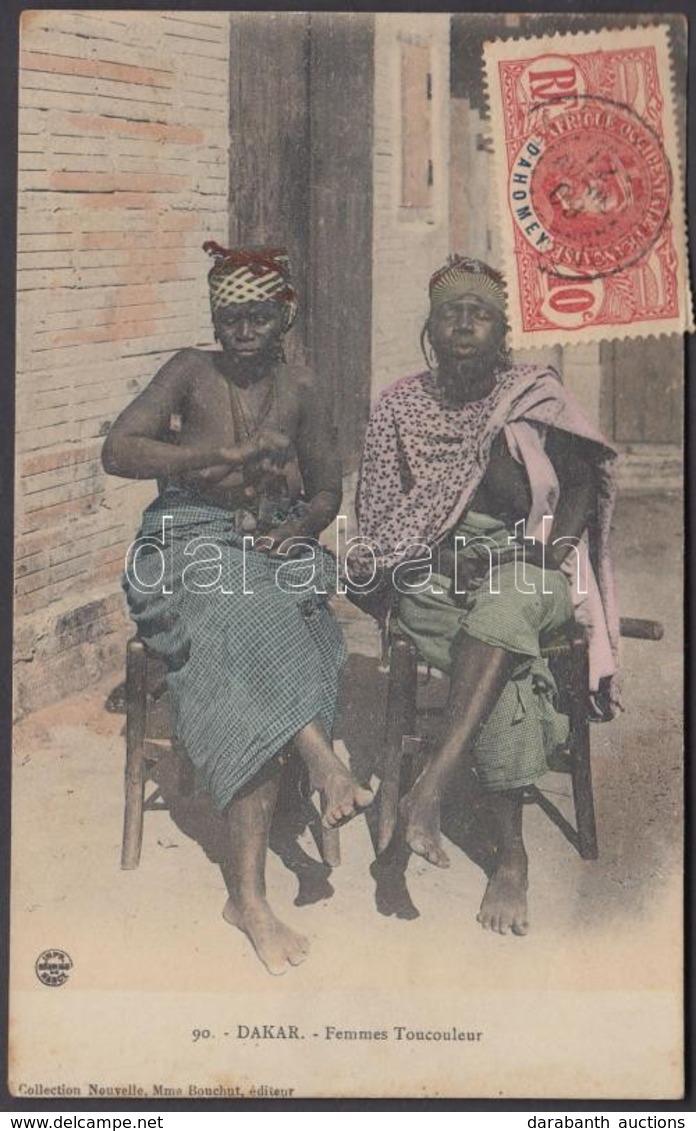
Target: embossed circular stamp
x=591, y=186
x=53, y=967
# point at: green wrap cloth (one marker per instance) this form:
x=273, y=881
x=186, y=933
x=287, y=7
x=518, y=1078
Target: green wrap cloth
x=524, y=728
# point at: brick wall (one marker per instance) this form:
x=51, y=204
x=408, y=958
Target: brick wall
x=123, y=158
x=408, y=244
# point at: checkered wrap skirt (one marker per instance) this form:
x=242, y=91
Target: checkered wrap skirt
x=246, y=669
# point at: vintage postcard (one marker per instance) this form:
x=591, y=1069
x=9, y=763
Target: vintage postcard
x=349, y=540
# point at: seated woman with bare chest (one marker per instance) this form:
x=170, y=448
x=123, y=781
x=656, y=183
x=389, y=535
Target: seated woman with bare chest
x=226, y=581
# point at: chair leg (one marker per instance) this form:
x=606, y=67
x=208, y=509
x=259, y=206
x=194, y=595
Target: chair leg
x=581, y=770
x=187, y=774
x=401, y=720
x=293, y=799
x=136, y=712
x=330, y=847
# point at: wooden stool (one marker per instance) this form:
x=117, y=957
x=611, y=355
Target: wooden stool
x=568, y=660
x=148, y=726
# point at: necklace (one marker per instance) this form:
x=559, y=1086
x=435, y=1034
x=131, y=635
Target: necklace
x=247, y=423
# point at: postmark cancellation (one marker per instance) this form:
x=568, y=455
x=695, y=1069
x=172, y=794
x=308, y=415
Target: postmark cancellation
x=588, y=185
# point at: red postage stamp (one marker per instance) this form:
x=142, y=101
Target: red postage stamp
x=588, y=185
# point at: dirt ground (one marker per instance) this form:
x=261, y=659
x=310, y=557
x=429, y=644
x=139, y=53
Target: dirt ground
x=588, y=1003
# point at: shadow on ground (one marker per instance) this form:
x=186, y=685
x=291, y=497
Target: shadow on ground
x=636, y=759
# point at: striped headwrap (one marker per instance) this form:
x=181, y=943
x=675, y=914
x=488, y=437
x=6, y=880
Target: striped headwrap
x=462, y=275
x=251, y=275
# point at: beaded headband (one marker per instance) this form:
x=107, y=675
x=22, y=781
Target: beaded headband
x=462, y=275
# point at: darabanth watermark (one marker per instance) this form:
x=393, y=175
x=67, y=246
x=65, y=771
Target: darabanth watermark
x=221, y=565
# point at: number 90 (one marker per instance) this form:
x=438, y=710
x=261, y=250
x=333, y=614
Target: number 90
x=200, y=1034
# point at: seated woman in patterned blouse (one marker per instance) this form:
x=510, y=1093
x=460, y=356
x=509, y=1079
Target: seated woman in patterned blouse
x=478, y=479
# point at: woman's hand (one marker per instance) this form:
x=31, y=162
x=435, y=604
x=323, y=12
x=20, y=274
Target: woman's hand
x=217, y=475
x=237, y=455
x=289, y=535
x=273, y=447
x=467, y=578
x=266, y=452
x=466, y=573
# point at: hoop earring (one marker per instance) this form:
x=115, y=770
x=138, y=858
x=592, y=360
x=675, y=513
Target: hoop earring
x=277, y=353
x=427, y=349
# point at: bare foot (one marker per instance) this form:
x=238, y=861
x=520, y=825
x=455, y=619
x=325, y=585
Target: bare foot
x=420, y=815
x=276, y=945
x=341, y=795
x=504, y=906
